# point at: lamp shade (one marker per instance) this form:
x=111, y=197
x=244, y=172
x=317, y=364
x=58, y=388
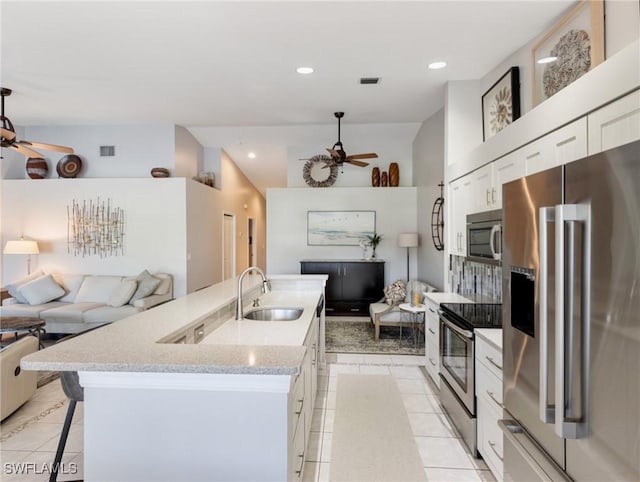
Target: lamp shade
x=407, y=240
x=21, y=246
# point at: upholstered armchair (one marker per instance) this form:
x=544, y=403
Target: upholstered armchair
x=385, y=314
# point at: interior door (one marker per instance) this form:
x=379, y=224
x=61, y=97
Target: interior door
x=229, y=248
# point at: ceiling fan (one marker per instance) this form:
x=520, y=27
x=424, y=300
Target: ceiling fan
x=338, y=154
x=8, y=136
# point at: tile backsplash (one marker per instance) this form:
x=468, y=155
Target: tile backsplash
x=471, y=278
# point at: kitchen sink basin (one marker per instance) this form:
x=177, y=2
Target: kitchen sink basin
x=274, y=314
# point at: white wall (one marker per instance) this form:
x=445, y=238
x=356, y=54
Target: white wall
x=189, y=154
x=204, y=237
x=155, y=237
x=212, y=162
x=462, y=109
x=287, y=227
x=428, y=155
x=138, y=148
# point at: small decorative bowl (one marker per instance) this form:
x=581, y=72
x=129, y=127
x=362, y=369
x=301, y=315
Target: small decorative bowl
x=160, y=172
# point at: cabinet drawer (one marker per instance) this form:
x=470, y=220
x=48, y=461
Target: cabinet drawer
x=296, y=403
x=490, y=443
x=488, y=386
x=297, y=453
x=489, y=356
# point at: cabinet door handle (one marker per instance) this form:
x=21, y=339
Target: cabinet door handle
x=431, y=310
x=493, y=362
x=493, y=447
x=492, y=397
x=431, y=361
x=431, y=331
x=493, y=195
x=301, y=402
x=488, y=193
x=299, y=469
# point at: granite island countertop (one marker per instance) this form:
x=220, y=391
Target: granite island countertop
x=143, y=342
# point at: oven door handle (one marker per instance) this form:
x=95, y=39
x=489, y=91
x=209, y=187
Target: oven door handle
x=466, y=333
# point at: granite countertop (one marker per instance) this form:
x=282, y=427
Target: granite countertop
x=133, y=344
x=493, y=336
x=360, y=260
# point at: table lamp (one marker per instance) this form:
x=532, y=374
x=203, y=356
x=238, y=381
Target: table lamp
x=407, y=240
x=22, y=246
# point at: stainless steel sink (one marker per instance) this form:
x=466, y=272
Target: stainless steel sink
x=274, y=314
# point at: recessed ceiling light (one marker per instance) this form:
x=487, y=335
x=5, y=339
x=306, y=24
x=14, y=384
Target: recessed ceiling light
x=305, y=70
x=251, y=155
x=437, y=65
x=547, y=60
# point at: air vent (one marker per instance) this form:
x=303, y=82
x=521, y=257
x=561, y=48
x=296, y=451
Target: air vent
x=107, y=151
x=369, y=80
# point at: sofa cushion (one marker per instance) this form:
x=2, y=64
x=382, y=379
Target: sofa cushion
x=41, y=290
x=388, y=315
x=108, y=314
x=69, y=311
x=24, y=309
x=13, y=287
x=97, y=289
x=123, y=293
x=147, y=284
x=165, y=284
x=71, y=283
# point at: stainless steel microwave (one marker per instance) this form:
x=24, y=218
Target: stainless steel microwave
x=484, y=237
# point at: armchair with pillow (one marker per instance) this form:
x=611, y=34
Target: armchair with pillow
x=72, y=303
x=386, y=312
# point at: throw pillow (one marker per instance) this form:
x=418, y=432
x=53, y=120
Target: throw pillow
x=123, y=293
x=41, y=290
x=163, y=287
x=97, y=289
x=13, y=288
x=395, y=292
x=71, y=283
x=147, y=283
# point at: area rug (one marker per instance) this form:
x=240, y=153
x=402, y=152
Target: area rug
x=372, y=437
x=358, y=337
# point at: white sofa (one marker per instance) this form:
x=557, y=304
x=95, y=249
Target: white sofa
x=72, y=303
x=389, y=314
x=17, y=385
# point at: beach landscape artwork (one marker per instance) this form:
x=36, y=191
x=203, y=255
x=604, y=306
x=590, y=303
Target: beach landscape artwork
x=339, y=228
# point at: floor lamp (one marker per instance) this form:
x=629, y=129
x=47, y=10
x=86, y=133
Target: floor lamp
x=407, y=240
x=22, y=246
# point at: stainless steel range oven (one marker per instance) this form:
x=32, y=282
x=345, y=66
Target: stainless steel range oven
x=457, y=362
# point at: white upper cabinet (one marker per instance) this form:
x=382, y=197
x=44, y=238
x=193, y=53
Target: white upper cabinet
x=460, y=205
x=506, y=169
x=482, y=189
x=615, y=124
x=556, y=148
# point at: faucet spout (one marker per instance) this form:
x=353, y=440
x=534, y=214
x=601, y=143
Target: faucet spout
x=265, y=288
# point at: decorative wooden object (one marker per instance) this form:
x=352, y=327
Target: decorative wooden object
x=394, y=174
x=69, y=166
x=37, y=168
x=159, y=172
x=375, y=177
x=384, y=179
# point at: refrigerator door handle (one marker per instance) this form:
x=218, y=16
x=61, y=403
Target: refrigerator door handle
x=574, y=426
x=547, y=410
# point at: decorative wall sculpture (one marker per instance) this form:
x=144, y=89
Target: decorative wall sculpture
x=95, y=228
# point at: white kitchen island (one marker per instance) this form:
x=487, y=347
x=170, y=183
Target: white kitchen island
x=185, y=392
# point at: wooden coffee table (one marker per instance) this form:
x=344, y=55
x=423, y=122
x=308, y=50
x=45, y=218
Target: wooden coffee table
x=17, y=324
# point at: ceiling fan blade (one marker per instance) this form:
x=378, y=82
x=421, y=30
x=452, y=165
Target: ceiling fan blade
x=25, y=151
x=368, y=155
x=48, y=147
x=357, y=163
x=7, y=134
x=333, y=152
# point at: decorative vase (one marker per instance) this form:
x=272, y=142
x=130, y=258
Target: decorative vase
x=394, y=174
x=375, y=177
x=373, y=252
x=37, y=168
x=384, y=179
x=160, y=172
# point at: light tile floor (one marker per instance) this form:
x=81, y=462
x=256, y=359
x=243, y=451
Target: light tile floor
x=30, y=436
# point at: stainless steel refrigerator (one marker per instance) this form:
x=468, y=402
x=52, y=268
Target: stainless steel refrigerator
x=571, y=321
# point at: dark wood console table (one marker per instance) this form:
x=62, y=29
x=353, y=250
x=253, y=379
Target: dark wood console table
x=16, y=324
x=352, y=285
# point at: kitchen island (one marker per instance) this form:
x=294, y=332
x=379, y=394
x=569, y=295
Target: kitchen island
x=170, y=396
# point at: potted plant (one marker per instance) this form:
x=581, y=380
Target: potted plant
x=374, y=241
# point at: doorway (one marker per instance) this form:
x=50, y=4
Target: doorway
x=251, y=239
x=228, y=246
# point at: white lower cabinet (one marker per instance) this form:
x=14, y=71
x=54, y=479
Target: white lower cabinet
x=489, y=403
x=432, y=341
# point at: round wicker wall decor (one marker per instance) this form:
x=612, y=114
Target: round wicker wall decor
x=313, y=163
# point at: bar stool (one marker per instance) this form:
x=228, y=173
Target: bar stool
x=75, y=393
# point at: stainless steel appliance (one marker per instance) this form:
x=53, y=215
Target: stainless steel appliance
x=571, y=301
x=457, y=362
x=484, y=237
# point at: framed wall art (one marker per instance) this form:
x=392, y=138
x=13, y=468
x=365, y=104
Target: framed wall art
x=501, y=103
x=572, y=47
x=339, y=228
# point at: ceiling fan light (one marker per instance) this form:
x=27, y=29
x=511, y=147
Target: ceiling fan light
x=305, y=70
x=437, y=65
